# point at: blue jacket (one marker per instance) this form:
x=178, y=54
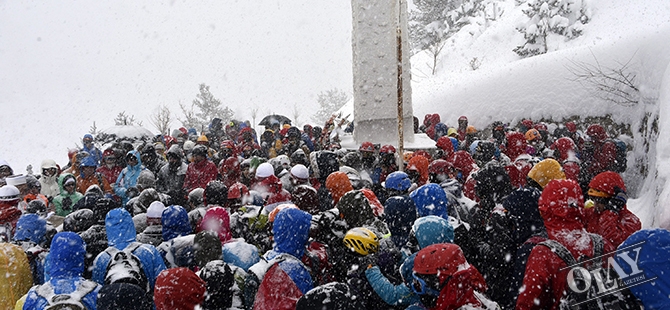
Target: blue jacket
x=128, y=177
x=175, y=223
x=652, y=262
x=120, y=233
x=431, y=199
x=67, y=255
x=291, y=232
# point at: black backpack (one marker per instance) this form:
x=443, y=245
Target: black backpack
x=126, y=267
x=71, y=301
x=591, y=298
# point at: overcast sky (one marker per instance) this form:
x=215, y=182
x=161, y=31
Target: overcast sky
x=85, y=61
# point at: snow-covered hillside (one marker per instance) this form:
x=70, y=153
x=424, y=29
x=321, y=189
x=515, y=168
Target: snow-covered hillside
x=509, y=89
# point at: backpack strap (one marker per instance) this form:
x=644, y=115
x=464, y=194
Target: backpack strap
x=560, y=250
x=598, y=245
x=84, y=287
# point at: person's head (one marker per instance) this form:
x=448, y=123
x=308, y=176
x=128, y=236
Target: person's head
x=179, y=288
x=441, y=276
x=603, y=187
x=545, y=171
x=87, y=141
x=299, y=175
x=88, y=166
x=361, y=240
x=195, y=198
x=132, y=158
x=397, y=183
x=5, y=170
x=69, y=184
x=199, y=153
x=67, y=255
x=462, y=122
x=49, y=168
x=20, y=182
x=440, y=171
x=227, y=149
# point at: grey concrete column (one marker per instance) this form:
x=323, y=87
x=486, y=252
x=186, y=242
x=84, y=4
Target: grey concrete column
x=375, y=67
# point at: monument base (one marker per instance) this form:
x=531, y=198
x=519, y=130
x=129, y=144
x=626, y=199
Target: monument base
x=383, y=131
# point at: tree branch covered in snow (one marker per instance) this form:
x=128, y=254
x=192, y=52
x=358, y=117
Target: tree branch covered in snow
x=565, y=18
x=203, y=109
x=617, y=85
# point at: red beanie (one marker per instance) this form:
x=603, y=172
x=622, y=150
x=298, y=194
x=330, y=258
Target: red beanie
x=178, y=289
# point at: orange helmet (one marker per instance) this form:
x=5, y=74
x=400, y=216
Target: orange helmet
x=533, y=134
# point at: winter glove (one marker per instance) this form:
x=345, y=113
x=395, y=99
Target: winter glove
x=369, y=261
x=619, y=200
x=132, y=192
x=67, y=204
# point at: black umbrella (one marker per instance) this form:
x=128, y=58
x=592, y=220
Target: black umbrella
x=268, y=120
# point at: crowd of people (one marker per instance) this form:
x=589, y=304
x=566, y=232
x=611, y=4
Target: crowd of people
x=229, y=219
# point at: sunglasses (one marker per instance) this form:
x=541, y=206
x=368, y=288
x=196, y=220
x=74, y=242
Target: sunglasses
x=421, y=287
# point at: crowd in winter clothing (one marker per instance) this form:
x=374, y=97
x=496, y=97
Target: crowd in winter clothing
x=230, y=219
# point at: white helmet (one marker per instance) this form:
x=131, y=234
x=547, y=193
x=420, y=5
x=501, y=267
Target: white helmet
x=9, y=193
x=300, y=172
x=264, y=170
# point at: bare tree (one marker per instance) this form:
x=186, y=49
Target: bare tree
x=161, y=119
x=123, y=119
x=617, y=85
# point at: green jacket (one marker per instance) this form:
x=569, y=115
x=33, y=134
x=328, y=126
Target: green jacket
x=65, y=202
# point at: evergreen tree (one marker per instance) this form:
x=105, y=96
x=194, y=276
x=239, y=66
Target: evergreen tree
x=435, y=21
x=203, y=109
x=329, y=102
x=563, y=19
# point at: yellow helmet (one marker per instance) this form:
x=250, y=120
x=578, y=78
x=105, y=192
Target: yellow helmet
x=545, y=171
x=361, y=240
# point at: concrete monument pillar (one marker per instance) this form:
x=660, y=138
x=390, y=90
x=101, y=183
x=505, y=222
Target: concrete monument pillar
x=375, y=70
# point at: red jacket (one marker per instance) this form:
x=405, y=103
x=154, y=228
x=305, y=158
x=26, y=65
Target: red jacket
x=199, y=174
x=614, y=227
x=561, y=206
x=110, y=174
x=271, y=190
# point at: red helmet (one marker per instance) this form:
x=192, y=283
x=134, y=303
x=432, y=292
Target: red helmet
x=540, y=126
x=387, y=149
x=571, y=127
x=227, y=144
x=237, y=191
x=169, y=140
x=367, y=147
x=445, y=258
x=604, y=183
x=440, y=166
